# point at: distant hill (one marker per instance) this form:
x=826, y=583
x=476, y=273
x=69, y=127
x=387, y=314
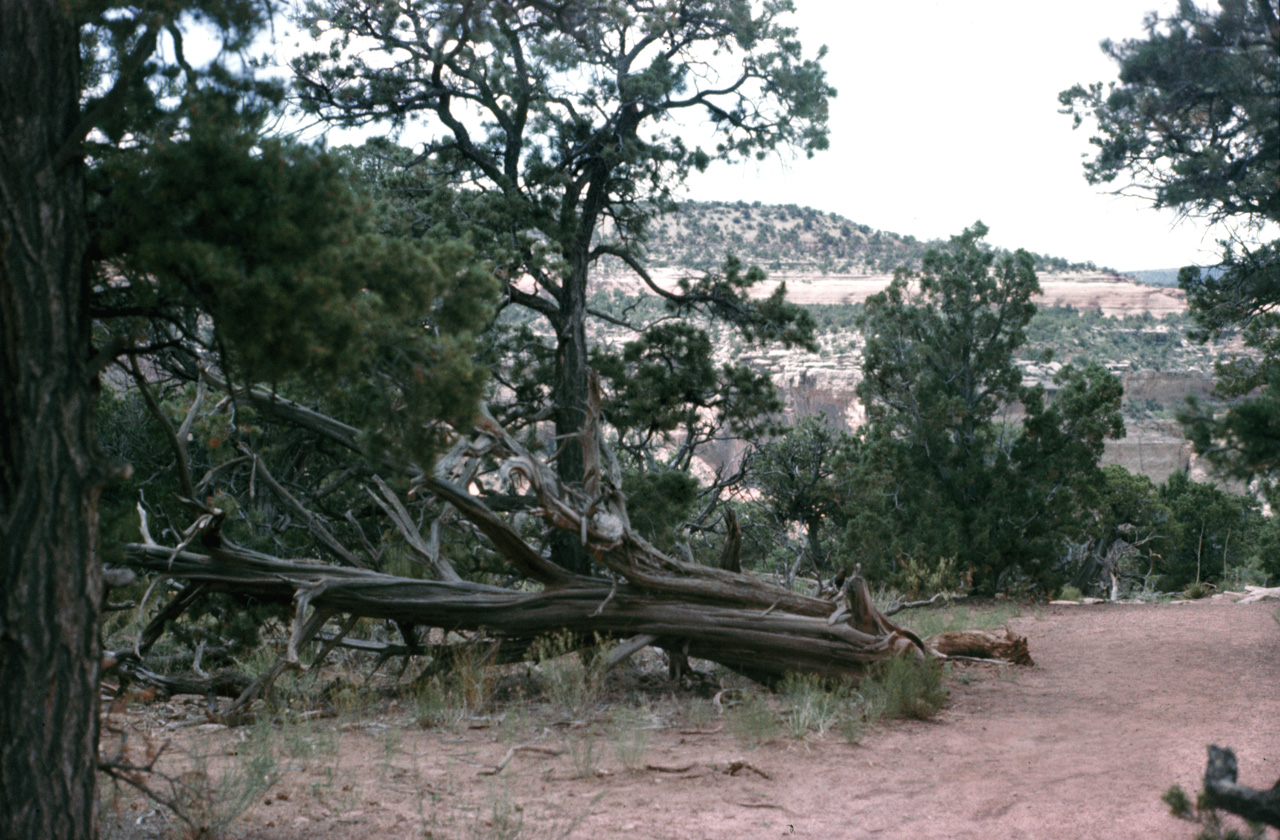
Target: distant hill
x=1155, y=276
x=789, y=238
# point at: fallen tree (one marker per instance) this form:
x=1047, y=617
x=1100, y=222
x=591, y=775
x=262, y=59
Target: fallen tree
x=741, y=620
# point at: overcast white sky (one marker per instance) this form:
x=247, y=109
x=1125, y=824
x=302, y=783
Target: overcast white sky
x=948, y=113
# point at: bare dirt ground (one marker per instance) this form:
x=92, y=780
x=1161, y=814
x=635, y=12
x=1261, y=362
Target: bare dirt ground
x=1121, y=705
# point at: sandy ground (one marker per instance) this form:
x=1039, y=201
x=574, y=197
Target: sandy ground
x=1121, y=705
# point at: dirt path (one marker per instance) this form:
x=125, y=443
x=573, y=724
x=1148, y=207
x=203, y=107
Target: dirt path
x=1121, y=705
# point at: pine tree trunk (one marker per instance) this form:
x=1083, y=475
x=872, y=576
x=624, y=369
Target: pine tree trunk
x=50, y=586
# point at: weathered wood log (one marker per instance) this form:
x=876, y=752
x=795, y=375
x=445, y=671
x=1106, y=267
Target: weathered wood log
x=983, y=645
x=738, y=619
x=741, y=637
x=1259, y=593
x=1221, y=791
x=224, y=684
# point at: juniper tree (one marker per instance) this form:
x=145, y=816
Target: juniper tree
x=959, y=483
x=568, y=121
x=1192, y=124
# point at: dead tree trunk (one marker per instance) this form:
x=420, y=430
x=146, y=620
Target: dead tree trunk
x=983, y=645
x=736, y=631
x=738, y=619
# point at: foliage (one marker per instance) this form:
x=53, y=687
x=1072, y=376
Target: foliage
x=753, y=722
x=224, y=257
x=1192, y=124
x=630, y=735
x=1127, y=532
x=799, y=486
x=265, y=239
x=1209, y=820
x=947, y=480
x=1214, y=530
x=664, y=388
x=814, y=705
x=904, y=687
x=659, y=502
x=556, y=126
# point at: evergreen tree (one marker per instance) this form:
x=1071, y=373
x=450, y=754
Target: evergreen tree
x=1193, y=124
x=1213, y=531
x=141, y=193
x=558, y=120
x=801, y=485
x=961, y=486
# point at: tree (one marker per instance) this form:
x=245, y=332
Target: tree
x=1213, y=530
x=1192, y=125
x=142, y=194
x=964, y=487
x=558, y=119
x=1125, y=535
x=48, y=473
x=800, y=484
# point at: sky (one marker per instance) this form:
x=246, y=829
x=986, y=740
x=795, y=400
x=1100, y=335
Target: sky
x=947, y=113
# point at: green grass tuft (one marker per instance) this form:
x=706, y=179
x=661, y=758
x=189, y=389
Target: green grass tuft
x=904, y=687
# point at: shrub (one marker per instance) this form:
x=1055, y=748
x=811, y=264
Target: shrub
x=904, y=687
x=752, y=721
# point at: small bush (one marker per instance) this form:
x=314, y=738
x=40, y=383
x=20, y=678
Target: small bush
x=904, y=687
x=752, y=721
x=572, y=686
x=630, y=737
x=212, y=794
x=1248, y=573
x=1070, y=593
x=1197, y=590
x=466, y=690
x=814, y=706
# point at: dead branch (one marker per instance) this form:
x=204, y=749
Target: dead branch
x=511, y=753
x=731, y=557
x=224, y=684
x=1223, y=792
x=314, y=523
x=980, y=644
x=900, y=605
x=399, y=516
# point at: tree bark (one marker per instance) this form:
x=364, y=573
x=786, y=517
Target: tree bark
x=50, y=580
x=730, y=628
x=569, y=401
